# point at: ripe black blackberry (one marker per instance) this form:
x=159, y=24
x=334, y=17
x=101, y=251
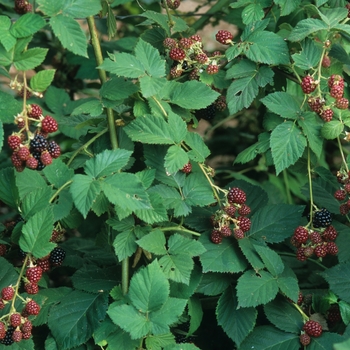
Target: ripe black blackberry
x=8, y=337
x=57, y=256
x=322, y=218
x=38, y=143
x=207, y=113
x=182, y=339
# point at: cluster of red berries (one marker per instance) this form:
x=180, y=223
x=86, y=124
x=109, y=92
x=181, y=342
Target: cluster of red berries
x=318, y=103
x=234, y=212
x=317, y=241
x=188, y=55
x=23, y=6
x=36, y=152
x=343, y=194
x=311, y=329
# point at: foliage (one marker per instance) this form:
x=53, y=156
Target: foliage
x=158, y=244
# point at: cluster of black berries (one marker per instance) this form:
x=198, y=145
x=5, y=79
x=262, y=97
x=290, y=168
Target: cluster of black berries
x=343, y=194
x=233, y=213
x=317, y=241
x=318, y=102
x=34, y=152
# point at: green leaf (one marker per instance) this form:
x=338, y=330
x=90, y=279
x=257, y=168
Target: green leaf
x=36, y=233
x=224, y=257
x=159, y=18
x=332, y=129
x=175, y=159
x=126, y=191
x=306, y=27
x=254, y=289
x=337, y=51
x=177, y=267
x=199, y=150
x=8, y=274
x=130, y=319
x=150, y=59
x=252, y=151
x=29, y=59
x=79, y=8
x=118, y=88
x=344, y=311
x=274, y=223
x=288, y=286
x=252, y=13
x=247, y=247
x=310, y=123
x=35, y=201
x=326, y=341
x=270, y=338
x=158, y=342
x=178, y=127
x=125, y=65
x=70, y=34
x=93, y=107
x=197, y=191
x=193, y=95
x=149, y=288
x=338, y=278
x=27, y=25
x=287, y=145
x=150, y=129
x=179, y=244
x=157, y=213
x=28, y=181
x=57, y=99
x=124, y=244
x=42, y=80
x=283, y=104
x=84, y=190
x=111, y=24
x=271, y=259
x=107, y=162
x=86, y=311
x=195, y=312
x=284, y=316
x=63, y=205
x=267, y=47
x=241, y=93
x=8, y=190
x=58, y=173
x=50, y=7
x=8, y=41
x=237, y=323
x=287, y=6
x=154, y=242
x=151, y=86
x=344, y=345
x=310, y=55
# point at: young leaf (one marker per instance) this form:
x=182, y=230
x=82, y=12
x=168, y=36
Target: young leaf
x=36, y=233
x=107, y=162
x=84, y=190
x=254, y=289
x=305, y=27
x=42, y=80
x=86, y=311
x=8, y=107
x=283, y=104
x=27, y=25
x=287, y=145
x=236, y=322
x=149, y=288
x=70, y=34
x=154, y=242
x=124, y=244
x=29, y=59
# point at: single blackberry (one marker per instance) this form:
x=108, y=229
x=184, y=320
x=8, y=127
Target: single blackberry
x=332, y=248
x=244, y=210
x=8, y=337
x=301, y=234
x=321, y=250
x=57, y=256
x=330, y=233
x=322, y=218
x=54, y=149
x=312, y=328
x=236, y=195
x=207, y=113
x=216, y=236
x=38, y=143
x=185, y=43
x=304, y=339
x=315, y=237
x=340, y=195
x=225, y=231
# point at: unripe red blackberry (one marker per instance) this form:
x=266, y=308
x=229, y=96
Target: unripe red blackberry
x=46, y=158
x=224, y=37
x=193, y=75
x=332, y=248
x=212, y=69
x=220, y=103
x=15, y=319
x=321, y=250
x=300, y=254
x=17, y=335
x=315, y=237
x=31, y=288
x=236, y=195
x=173, y=4
x=32, y=163
x=185, y=43
x=326, y=62
x=196, y=38
x=342, y=103
x=301, y=234
x=2, y=304
x=3, y=249
x=225, y=231
x=335, y=79
x=333, y=314
x=14, y=141
x=304, y=339
x=330, y=233
x=34, y=274
x=337, y=91
x=49, y=124
x=238, y=233
x=201, y=58
x=23, y=153
x=27, y=326
x=2, y=330
x=327, y=115
x=316, y=104
x=243, y=223
x=175, y=72
x=177, y=54
x=344, y=209
x=187, y=168
x=32, y=308
x=347, y=188
x=216, y=236
x=44, y=264
x=340, y=195
x=312, y=328
x=7, y=293
x=308, y=251
x=308, y=84
x=34, y=111
x=169, y=43
x=230, y=210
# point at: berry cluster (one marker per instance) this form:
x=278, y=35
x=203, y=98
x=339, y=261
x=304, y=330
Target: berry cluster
x=34, y=152
x=23, y=6
x=234, y=212
x=343, y=194
x=317, y=241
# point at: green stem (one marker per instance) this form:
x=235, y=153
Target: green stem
x=310, y=182
x=103, y=78
x=212, y=10
x=286, y=182
x=86, y=145
x=179, y=228
x=342, y=155
x=59, y=190
x=311, y=260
